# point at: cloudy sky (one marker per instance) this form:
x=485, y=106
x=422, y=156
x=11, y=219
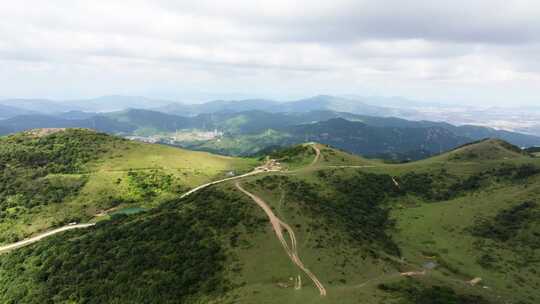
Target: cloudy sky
x=461, y=51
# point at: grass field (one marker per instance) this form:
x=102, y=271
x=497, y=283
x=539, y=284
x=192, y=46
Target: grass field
x=347, y=214
x=427, y=233
x=107, y=185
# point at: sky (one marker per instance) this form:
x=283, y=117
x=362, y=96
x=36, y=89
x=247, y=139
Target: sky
x=471, y=52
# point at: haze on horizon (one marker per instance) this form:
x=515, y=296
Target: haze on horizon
x=463, y=52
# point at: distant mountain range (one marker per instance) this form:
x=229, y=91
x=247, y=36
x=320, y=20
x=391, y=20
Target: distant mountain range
x=117, y=103
x=7, y=111
x=317, y=103
x=248, y=132
x=519, y=119
x=100, y=104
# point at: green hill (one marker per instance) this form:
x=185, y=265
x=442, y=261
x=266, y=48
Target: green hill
x=316, y=225
x=51, y=177
x=250, y=131
x=488, y=149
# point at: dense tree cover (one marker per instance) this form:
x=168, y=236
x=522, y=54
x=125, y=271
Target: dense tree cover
x=62, y=152
x=173, y=254
x=412, y=292
x=437, y=186
x=293, y=154
x=32, y=167
x=508, y=223
x=360, y=138
x=514, y=172
x=441, y=185
x=354, y=203
x=358, y=202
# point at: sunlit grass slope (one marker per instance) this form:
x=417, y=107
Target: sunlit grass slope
x=453, y=229
x=51, y=178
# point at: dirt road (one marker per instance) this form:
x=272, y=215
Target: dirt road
x=41, y=236
x=278, y=225
x=317, y=155
x=257, y=170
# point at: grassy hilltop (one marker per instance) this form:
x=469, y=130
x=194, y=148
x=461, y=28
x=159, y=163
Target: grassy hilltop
x=53, y=177
x=462, y=227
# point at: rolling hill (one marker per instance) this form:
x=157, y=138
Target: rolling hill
x=36, y=121
x=249, y=132
x=317, y=225
x=488, y=149
x=54, y=176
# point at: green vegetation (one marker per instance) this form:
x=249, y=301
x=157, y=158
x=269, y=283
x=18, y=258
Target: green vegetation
x=446, y=230
x=344, y=204
x=176, y=253
x=54, y=177
x=488, y=149
x=294, y=157
x=42, y=170
x=243, y=144
x=442, y=185
x=149, y=184
x=509, y=224
x=413, y=292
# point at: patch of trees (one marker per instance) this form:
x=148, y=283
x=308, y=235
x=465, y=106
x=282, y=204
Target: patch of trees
x=442, y=186
x=435, y=187
x=173, y=254
x=61, y=152
x=412, y=292
x=354, y=204
x=293, y=154
x=510, y=225
x=148, y=184
x=515, y=172
x=27, y=162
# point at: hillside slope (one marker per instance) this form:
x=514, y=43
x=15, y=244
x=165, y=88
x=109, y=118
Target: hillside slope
x=434, y=231
x=51, y=177
x=487, y=149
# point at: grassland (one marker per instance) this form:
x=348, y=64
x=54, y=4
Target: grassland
x=438, y=233
x=413, y=233
x=101, y=182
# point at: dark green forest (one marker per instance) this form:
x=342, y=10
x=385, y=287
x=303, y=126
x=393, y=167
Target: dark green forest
x=35, y=171
x=174, y=254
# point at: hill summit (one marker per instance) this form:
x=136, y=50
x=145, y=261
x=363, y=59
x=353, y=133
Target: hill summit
x=486, y=149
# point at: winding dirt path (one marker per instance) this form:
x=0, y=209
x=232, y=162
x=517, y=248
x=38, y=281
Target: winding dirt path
x=278, y=225
x=37, y=238
x=317, y=155
x=258, y=170
x=42, y=236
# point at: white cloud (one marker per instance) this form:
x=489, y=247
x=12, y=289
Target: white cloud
x=278, y=48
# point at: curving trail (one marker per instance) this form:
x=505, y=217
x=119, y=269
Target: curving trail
x=317, y=155
x=278, y=225
x=258, y=170
x=42, y=236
